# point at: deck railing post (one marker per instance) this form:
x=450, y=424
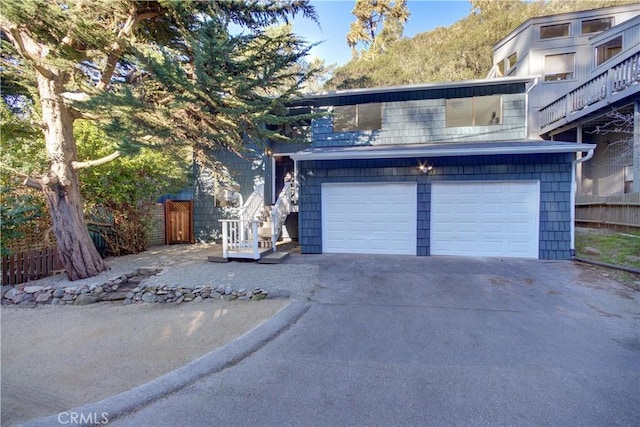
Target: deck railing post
x=225, y=240
x=255, y=239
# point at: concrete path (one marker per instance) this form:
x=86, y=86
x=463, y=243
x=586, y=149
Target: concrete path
x=433, y=341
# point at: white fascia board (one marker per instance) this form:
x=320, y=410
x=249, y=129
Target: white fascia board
x=367, y=154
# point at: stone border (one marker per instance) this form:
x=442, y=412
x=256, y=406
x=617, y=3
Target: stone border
x=128, y=288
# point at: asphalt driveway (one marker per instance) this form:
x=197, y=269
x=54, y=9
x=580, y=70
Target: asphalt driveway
x=434, y=341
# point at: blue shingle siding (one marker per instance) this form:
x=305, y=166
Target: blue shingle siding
x=423, y=121
x=555, y=191
x=243, y=170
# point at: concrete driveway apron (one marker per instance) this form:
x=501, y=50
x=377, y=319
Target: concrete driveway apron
x=434, y=341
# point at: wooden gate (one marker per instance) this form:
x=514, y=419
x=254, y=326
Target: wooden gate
x=178, y=222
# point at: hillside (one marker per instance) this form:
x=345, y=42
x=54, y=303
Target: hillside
x=462, y=51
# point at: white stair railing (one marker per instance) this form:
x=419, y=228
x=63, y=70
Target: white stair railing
x=241, y=234
x=253, y=205
x=281, y=210
x=236, y=239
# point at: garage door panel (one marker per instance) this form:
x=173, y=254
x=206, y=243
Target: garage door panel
x=485, y=218
x=376, y=218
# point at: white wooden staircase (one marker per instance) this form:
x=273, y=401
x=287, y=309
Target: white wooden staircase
x=256, y=230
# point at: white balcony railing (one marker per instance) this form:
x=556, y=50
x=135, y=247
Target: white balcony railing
x=601, y=88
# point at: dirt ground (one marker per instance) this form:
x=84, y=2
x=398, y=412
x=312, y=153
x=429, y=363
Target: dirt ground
x=56, y=358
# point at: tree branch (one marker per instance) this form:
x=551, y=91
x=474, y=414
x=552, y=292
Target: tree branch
x=77, y=114
x=29, y=180
x=26, y=46
x=89, y=163
x=32, y=182
x=75, y=96
x=116, y=48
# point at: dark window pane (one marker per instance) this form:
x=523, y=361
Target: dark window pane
x=553, y=31
x=369, y=116
x=344, y=118
x=608, y=50
x=596, y=25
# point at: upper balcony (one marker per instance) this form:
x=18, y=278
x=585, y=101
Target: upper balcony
x=621, y=81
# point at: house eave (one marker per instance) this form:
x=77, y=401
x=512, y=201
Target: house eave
x=439, y=150
x=415, y=88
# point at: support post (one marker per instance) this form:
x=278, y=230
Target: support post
x=225, y=239
x=636, y=147
x=255, y=239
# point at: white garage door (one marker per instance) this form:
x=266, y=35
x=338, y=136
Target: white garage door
x=485, y=218
x=369, y=218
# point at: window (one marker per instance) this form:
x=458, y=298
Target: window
x=608, y=50
x=628, y=179
x=596, y=25
x=476, y=111
x=554, y=31
x=500, y=66
x=559, y=67
x=511, y=61
x=350, y=118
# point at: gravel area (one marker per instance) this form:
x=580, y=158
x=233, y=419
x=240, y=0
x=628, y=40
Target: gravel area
x=187, y=266
x=58, y=357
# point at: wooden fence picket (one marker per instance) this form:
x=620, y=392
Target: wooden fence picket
x=29, y=265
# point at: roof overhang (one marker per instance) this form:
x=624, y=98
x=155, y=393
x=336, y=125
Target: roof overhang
x=440, y=150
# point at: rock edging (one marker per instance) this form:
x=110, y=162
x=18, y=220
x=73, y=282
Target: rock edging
x=128, y=288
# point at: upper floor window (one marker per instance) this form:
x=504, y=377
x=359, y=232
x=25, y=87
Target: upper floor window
x=554, y=31
x=511, y=61
x=608, y=50
x=596, y=25
x=476, y=111
x=559, y=67
x=350, y=118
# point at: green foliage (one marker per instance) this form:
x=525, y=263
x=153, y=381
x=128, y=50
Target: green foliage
x=156, y=77
x=122, y=191
x=378, y=25
x=128, y=179
x=462, y=51
x=22, y=209
x=20, y=213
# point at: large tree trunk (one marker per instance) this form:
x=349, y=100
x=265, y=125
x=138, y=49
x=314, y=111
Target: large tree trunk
x=61, y=188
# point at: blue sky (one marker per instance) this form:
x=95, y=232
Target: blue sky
x=335, y=18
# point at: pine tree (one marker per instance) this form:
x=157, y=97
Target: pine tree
x=378, y=24
x=154, y=73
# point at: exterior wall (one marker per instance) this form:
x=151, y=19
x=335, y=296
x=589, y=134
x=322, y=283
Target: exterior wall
x=531, y=51
x=277, y=148
x=423, y=121
x=603, y=175
x=242, y=174
x=553, y=172
x=156, y=237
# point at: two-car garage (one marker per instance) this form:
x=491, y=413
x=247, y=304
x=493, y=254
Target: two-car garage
x=477, y=218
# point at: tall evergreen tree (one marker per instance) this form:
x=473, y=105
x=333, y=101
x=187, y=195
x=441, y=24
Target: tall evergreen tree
x=156, y=73
x=378, y=24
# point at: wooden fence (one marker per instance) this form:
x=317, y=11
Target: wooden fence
x=622, y=210
x=29, y=265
